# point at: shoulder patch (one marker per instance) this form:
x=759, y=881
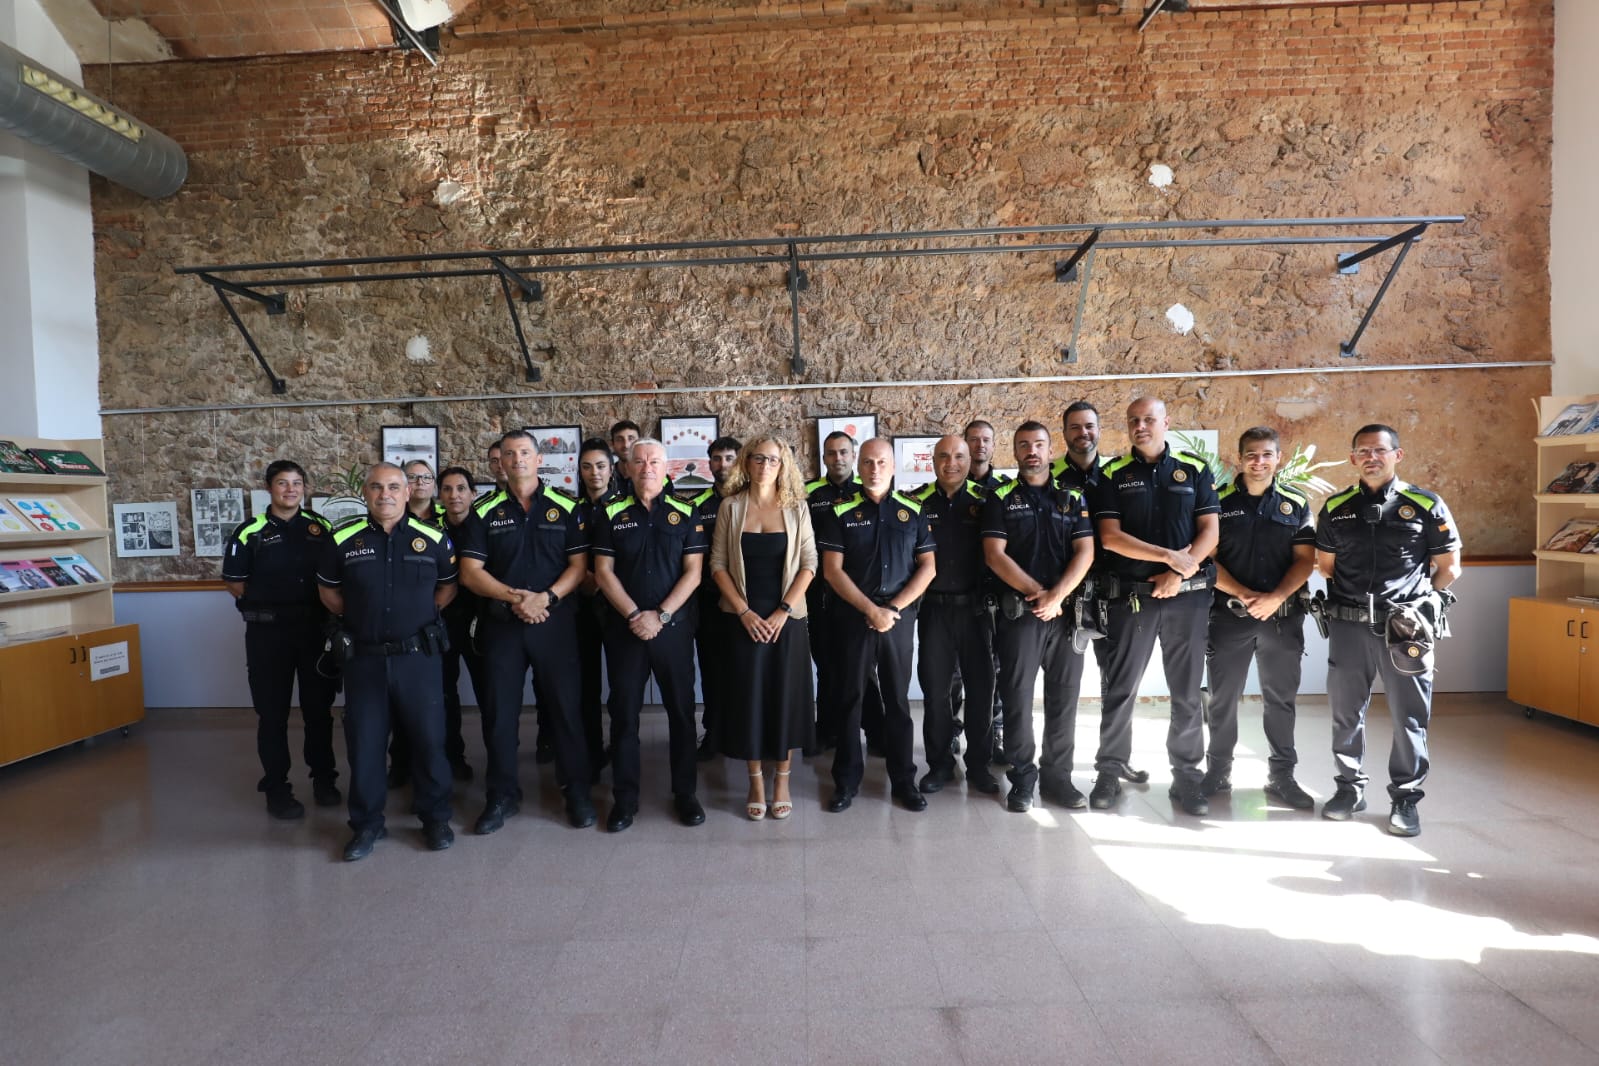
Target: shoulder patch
x=1058, y=467
x=348, y=529
x=1337, y=501
x=925, y=493
x=977, y=491
x=431, y=533
x=560, y=497
x=1005, y=490
x=846, y=504
x=618, y=506
x=1421, y=497
x=678, y=505
x=1294, y=494
x=490, y=500
x=314, y=517
x=254, y=525
x=1192, y=460
x=812, y=486
x=1227, y=490
x=908, y=501
x=1116, y=464
x=699, y=500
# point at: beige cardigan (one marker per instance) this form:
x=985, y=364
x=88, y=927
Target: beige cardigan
x=728, y=555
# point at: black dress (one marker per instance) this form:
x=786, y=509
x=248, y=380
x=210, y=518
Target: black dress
x=771, y=709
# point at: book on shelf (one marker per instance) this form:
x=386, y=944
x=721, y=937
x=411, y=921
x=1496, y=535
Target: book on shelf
x=14, y=459
x=59, y=461
x=47, y=515
x=1573, y=536
x=81, y=569
x=1574, y=419
x=54, y=573
x=1580, y=477
x=11, y=522
x=1586, y=601
x=28, y=574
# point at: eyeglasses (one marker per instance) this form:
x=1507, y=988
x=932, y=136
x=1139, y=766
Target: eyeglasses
x=765, y=460
x=419, y=479
x=1373, y=453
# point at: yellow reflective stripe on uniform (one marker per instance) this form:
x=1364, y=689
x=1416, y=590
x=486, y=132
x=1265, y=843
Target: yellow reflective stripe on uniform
x=1192, y=460
x=1005, y=489
x=925, y=493
x=1058, y=467
x=1426, y=502
x=559, y=498
x=975, y=489
x=348, y=530
x=915, y=506
x=612, y=510
x=489, y=501
x=318, y=519
x=1342, y=498
x=678, y=505
x=435, y=535
x=1294, y=495
x=1227, y=490
x=255, y=525
x=702, y=497
x=812, y=486
x=844, y=505
x=1116, y=464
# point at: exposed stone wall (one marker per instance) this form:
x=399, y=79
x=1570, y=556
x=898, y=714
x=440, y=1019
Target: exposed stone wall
x=1045, y=115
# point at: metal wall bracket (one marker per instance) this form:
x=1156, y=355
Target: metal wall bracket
x=532, y=288
x=275, y=303
x=1066, y=269
x=1069, y=353
x=1405, y=240
x=796, y=282
x=279, y=386
x=530, y=372
x=1349, y=262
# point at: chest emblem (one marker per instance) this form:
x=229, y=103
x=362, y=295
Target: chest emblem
x=972, y=510
x=859, y=516
x=499, y=512
x=1407, y=512
x=903, y=515
x=1286, y=507
x=1179, y=476
x=673, y=519
x=314, y=530
x=552, y=515
x=417, y=544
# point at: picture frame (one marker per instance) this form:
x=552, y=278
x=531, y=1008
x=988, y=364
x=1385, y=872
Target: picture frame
x=406, y=444
x=558, y=451
x=861, y=429
x=913, y=462
x=140, y=530
x=215, y=513
x=688, y=439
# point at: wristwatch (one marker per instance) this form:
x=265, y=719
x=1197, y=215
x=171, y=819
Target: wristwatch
x=554, y=597
x=666, y=616
x=783, y=605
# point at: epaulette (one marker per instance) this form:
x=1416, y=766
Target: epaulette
x=349, y=528
x=1294, y=495
x=1335, y=502
x=1116, y=464
x=1057, y=468
x=976, y=489
x=914, y=505
x=617, y=507
x=490, y=500
x=558, y=490
x=845, y=504
x=561, y=498
x=430, y=532
x=1005, y=489
x=812, y=486
x=315, y=517
x=254, y=525
x=680, y=506
x=925, y=493
x=1424, y=499
x=1228, y=489
x=1195, y=461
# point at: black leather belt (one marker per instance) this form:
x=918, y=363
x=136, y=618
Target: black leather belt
x=1362, y=615
x=408, y=646
x=273, y=615
x=952, y=599
x=1290, y=607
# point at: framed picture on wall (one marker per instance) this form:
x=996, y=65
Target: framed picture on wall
x=861, y=428
x=913, y=462
x=688, y=443
x=141, y=529
x=215, y=513
x=558, y=451
x=405, y=444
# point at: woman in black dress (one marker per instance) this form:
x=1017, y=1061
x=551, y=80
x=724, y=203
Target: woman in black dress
x=763, y=558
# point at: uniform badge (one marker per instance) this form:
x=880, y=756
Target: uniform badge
x=1179, y=476
x=904, y=515
x=1413, y=650
x=858, y=516
x=313, y=530
x=359, y=543
x=1407, y=512
x=418, y=544
x=673, y=519
x=973, y=509
x=499, y=512
x=552, y=515
x=1285, y=507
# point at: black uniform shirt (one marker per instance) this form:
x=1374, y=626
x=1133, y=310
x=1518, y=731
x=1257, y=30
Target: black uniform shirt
x=990, y=481
x=1384, y=541
x=822, y=496
x=648, y=545
x=387, y=579
x=435, y=518
x=464, y=607
x=525, y=549
x=277, y=560
x=1258, y=533
x=879, y=541
x=1158, y=503
x=591, y=511
x=956, y=523
x=1065, y=474
x=1038, y=524
x=707, y=505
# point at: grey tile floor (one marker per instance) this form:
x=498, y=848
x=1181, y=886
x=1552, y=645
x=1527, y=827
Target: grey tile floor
x=151, y=913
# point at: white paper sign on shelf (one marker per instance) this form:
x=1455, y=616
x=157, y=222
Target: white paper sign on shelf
x=108, y=660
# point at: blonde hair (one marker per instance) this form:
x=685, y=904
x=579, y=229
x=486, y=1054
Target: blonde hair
x=790, y=485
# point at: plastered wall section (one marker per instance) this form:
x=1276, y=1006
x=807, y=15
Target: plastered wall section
x=531, y=138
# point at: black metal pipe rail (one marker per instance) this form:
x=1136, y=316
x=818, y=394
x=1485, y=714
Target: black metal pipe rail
x=239, y=278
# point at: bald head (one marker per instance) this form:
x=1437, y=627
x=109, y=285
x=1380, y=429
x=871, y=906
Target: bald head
x=952, y=462
x=1146, y=426
x=875, y=467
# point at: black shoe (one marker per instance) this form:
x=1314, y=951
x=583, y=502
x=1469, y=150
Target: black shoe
x=841, y=800
x=439, y=835
x=1404, y=821
x=910, y=797
x=982, y=781
x=935, y=779
x=494, y=815
x=619, y=819
x=580, y=813
x=361, y=845
x=1019, y=800
x=1107, y=788
x=399, y=777
x=1286, y=790
x=1185, y=792
x=282, y=805
x=326, y=793
x=996, y=748
x=706, y=751
x=1217, y=779
x=689, y=811
x=543, y=752
x=1137, y=777
x=1348, y=800
x=461, y=770
x=1064, y=795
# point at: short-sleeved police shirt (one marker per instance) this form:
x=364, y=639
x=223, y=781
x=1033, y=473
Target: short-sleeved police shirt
x=591, y=511
x=1158, y=503
x=879, y=541
x=434, y=516
x=1384, y=541
x=1066, y=474
x=525, y=549
x=648, y=545
x=277, y=559
x=1039, y=525
x=387, y=579
x=956, y=523
x=1258, y=533
x=464, y=607
x=822, y=496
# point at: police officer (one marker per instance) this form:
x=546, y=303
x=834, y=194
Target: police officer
x=623, y=434
x=495, y=470
x=648, y=554
x=878, y=556
x=525, y=551
x=1265, y=552
x=1382, y=545
x=979, y=437
x=711, y=635
x=837, y=483
x=456, y=494
x=1156, y=516
x=424, y=507
x=952, y=624
x=270, y=568
x=597, y=478
x=387, y=575
x=1037, y=541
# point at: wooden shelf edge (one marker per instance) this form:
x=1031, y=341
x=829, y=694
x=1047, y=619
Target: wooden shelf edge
x=1587, y=499
x=9, y=481
x=1579, y=558
x=35, y=595
x=196, y=585
x=36, y=537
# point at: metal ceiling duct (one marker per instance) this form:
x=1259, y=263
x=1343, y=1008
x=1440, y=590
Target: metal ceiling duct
x=41, y=106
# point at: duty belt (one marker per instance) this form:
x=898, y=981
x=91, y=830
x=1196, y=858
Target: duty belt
x=953, y=599
x=1114, y=587
x=277, y=614
x=1291, y=606
x=1363, y=615
x=408, y=646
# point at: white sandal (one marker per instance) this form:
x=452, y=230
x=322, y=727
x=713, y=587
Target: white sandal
x=757, y=811
x=782, y=808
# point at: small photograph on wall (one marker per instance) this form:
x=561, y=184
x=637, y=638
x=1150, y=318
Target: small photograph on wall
x=215, y=512
x=558, y=450
x=861, y=428
x=145, y=529
x=913, y=462
x=688, y=443
x=406, y=444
